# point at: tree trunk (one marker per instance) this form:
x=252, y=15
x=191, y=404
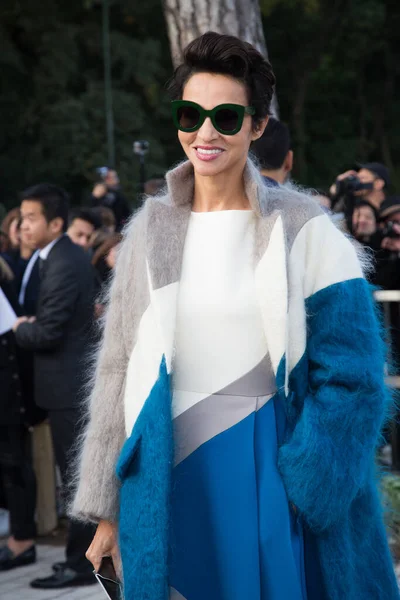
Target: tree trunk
x=188, y=19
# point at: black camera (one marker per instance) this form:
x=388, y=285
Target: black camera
x=350, y=185
x=389, y=231
x=141, y=147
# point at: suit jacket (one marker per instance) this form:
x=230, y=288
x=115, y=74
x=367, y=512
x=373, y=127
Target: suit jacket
x=328, y=359
x=32, y=291
x=59, y=337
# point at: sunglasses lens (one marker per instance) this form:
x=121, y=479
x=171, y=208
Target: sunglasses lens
x=226, y=119
x=188, y=117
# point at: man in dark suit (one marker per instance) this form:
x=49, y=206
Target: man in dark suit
x=58, y=336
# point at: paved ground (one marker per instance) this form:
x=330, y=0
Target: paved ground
x=14, y=585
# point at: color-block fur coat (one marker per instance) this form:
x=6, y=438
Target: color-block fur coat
x=326, y=351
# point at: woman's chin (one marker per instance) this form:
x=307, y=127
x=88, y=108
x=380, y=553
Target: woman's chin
x=209, y=168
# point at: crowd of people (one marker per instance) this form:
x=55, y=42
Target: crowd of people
x=54, y=263
x=359, y=201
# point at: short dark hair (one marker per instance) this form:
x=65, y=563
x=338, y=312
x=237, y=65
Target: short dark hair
x=272, y=147
x=54, y=201
x=228, y=55
x=86, y=214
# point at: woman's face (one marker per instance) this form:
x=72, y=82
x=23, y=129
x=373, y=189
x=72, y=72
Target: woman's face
x=230, y=151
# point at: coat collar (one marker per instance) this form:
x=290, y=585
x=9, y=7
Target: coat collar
x=180, y=183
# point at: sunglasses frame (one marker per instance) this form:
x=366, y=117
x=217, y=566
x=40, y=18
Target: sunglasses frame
x=240, y=110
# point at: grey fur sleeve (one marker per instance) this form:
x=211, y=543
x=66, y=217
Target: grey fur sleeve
x=95, y=483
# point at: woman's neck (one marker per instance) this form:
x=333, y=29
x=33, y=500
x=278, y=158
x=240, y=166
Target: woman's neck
x=219, y=193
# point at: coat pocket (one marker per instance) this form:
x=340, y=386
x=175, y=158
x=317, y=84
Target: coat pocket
x=129, y=454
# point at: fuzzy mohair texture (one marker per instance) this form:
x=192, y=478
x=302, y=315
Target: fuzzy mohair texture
x=322, y=334
x=327, y=463
x=144, y=513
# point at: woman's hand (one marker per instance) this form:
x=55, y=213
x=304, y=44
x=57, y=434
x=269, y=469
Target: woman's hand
x=105, y=544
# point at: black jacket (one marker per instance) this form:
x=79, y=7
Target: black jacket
x=11, y=401
x=61, y=333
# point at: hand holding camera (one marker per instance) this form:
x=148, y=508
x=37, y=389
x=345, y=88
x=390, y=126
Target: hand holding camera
x=334, y=189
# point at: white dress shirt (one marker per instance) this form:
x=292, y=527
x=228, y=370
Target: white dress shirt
x=43, y=254
x=27, y=274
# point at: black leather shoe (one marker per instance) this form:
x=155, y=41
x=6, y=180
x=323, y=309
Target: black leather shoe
x=58, y=566
x=8, y=560
x=64, y=577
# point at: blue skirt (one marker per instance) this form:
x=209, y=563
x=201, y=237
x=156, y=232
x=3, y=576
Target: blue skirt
x=234, y=534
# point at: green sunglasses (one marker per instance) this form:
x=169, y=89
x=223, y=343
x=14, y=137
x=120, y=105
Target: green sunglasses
x=226, y=118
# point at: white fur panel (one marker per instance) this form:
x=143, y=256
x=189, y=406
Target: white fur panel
x=165, y=301
x=297, y=328
x=323, y=256
x=271, y=284
x=143, y=367
x=153, y=341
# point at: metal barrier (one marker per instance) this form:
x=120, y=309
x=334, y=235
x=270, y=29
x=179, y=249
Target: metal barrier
x=389, y=298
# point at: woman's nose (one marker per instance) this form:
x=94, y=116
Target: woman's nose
x=207, y=131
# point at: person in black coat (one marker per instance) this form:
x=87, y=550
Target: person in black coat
x=17, y=478
x=59, y=336
x=108, y=193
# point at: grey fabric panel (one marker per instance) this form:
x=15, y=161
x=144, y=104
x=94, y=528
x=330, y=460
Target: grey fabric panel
x=180, y=183
x=136, y=299
x=209, y=418
x=175, y=595
x=223, y=410
x=166, y=233
x=257, y=382
x=296, y=207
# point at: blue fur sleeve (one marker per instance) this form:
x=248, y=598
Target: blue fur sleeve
x=331, y=451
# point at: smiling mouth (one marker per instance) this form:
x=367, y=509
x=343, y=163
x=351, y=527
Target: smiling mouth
x=208, y=151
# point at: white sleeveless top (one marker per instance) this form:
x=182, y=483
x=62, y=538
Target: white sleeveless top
x=219, y=331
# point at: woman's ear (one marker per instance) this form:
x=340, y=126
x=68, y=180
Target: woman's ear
x=259, y=129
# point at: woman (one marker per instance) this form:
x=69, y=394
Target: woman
x=104, y=257
x=9, y=227
x=18, y=248
x=245, y=310
x=103, y=261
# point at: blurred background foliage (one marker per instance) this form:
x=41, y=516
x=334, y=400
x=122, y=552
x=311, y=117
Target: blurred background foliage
x=336, y=61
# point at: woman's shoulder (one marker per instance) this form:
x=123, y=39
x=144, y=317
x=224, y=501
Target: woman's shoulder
x=291, y=201
x=297, y=207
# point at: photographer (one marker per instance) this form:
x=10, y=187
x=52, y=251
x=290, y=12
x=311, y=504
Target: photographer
x=352, y=188
x=387, y=243
x=107, y=192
